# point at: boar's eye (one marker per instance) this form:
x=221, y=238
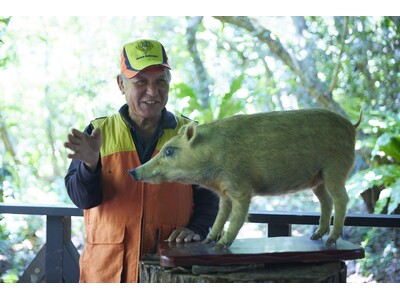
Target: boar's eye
x=169, y=152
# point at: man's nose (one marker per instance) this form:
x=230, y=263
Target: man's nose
x=152, y=89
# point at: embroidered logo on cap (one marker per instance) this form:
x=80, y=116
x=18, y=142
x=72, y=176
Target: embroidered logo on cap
x=144, y=46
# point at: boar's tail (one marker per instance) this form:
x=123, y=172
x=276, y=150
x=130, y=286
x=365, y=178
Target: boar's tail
x=359, y=119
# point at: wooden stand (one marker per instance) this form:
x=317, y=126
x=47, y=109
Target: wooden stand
x=278, y=259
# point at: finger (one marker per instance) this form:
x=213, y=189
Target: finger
x=77, y=133
x=71, y=146
x=96, y=133
x=71, y=138
x=183, y=235
x=196, y=237
x=189, y=237
x=73, y=156
x=192, y=237
x=173, y=236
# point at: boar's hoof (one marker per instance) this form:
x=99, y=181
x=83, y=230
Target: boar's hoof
x=316, y=236
x=218, y=246
x=330, y=241
x=207, y=241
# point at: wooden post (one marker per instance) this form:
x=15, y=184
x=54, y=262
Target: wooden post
x=57, y=228
x=279, y=230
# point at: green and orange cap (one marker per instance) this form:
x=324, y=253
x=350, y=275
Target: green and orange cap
x=141, y=54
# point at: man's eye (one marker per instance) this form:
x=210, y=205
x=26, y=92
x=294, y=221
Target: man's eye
x=162, y=82
x=140, y=82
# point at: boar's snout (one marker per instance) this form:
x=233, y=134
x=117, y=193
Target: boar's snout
x=134, y=174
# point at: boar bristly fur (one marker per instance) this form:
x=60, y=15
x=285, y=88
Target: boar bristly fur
x=262, y=154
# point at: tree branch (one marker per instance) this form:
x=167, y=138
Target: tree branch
x=201, y=75
x=337, y=66
x=313, y=86
x=8, y=144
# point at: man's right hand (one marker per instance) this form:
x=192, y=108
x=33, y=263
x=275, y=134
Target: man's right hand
x=84, y=147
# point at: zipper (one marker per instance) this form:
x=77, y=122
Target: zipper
x=143, y=216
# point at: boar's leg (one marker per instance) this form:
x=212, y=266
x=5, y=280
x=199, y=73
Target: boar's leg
x=325, y=201
x=333, y=190
x=225, y=207
x=240, y=208
x=340, y=200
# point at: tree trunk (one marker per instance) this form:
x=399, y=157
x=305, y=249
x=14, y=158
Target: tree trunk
x=200, y=76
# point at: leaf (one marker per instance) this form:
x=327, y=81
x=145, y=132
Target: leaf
x=235, y=86
x=389, y=144
x=384, y=175
x=228, y=105
x=394, y=197
x=182, y=91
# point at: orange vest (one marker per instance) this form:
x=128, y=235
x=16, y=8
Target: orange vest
x=133, y=216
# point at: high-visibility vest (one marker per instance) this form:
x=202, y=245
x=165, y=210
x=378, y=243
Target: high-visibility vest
x=133, y=216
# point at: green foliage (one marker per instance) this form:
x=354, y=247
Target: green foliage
x=389, y=144
x=3, y=27
x=218, y=107
x=381, y=257
x=386, y=176
x=384, y=162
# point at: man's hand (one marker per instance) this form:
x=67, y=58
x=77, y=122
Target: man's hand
x=86, y=148
x=181, y=235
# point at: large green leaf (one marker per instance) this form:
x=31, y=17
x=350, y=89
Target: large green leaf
x=394, y=197
x=389, y=144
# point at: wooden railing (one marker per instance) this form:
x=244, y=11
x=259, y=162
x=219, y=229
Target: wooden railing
x=58, y=260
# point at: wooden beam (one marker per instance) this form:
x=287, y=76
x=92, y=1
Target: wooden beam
x=40, y=210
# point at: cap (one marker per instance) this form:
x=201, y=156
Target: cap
x=141, y=54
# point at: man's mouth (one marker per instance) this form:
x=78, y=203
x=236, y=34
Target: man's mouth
x=150, y=102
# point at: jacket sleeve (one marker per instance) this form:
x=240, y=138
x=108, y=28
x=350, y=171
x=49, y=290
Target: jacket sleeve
x=205, y=210
x=83, y=187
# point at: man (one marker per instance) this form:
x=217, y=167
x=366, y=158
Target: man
x=125, y=219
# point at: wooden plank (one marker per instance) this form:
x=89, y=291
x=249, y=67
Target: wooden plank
x=257, y=250
x=279, y=217
x=284, y=217
x=40, y=210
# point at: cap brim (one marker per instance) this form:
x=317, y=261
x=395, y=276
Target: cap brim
x=132, y=73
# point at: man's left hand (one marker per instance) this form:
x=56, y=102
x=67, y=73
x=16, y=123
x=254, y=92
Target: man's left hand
x=183, y=235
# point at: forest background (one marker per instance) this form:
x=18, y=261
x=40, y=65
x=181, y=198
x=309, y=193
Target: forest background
x=59, y=72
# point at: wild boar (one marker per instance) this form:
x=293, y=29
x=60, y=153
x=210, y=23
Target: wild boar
x=270, y=153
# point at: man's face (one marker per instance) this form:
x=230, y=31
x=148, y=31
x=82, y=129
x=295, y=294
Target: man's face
x=146, y=93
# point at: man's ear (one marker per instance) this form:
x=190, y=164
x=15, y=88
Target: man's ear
x=120, y=83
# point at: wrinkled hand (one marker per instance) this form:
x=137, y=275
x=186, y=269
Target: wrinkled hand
x=84, y=147
x=180, y=235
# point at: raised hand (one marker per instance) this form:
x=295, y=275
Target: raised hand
x=85, y=147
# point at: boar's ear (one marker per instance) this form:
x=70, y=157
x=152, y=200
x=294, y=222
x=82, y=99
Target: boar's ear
x=190, y=132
